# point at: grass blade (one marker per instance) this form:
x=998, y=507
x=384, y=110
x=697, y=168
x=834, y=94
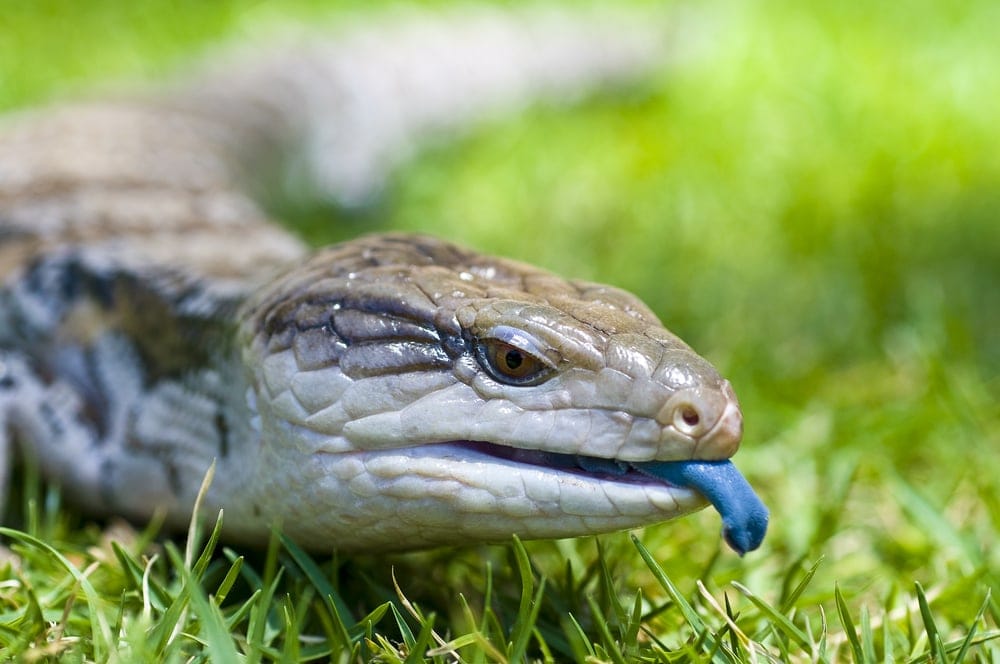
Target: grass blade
x=938, y=652
x=690, y=615
x=848, y=624
x=531, y=603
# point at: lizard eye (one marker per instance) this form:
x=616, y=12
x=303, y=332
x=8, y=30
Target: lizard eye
x=512, y=357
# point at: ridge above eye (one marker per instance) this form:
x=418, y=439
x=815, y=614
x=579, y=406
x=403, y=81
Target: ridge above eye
x=513, y=357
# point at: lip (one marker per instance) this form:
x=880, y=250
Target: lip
x=576, y=470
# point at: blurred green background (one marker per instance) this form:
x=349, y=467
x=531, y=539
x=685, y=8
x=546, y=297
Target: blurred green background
x=811, y=198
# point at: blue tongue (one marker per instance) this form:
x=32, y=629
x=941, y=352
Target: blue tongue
x=744, y=517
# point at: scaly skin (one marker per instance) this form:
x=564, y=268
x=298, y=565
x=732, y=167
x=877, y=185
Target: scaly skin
x=368, y=383
x=391, y=392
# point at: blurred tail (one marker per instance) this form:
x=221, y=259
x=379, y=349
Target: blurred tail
x=350, y=108
x=170, y=176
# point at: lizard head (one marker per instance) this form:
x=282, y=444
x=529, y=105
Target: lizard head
x=463, y=397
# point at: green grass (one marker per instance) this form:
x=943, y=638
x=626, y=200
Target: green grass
x=812, y=200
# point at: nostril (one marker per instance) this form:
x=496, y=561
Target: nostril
x=692, y=412
x=687, y=419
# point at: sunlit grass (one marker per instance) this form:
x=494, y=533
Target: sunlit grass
x=811, y=198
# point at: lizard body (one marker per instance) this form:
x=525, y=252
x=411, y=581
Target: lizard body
x=391, y=392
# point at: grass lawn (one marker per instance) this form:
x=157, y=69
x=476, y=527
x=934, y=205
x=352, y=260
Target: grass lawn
x=812, y=200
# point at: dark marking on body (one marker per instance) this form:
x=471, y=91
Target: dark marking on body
x=368, y=359
x=7, y=379
x=173, y=477
x=100, y=285
x=222, y=431
x=51, y=419
x=96, y=407
x=65, y=277
x=174, y=322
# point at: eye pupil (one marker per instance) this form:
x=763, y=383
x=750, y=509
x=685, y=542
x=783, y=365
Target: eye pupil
x=513, y=359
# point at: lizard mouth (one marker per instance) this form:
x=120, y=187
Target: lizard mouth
x=744, y=516
x=612, y=469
